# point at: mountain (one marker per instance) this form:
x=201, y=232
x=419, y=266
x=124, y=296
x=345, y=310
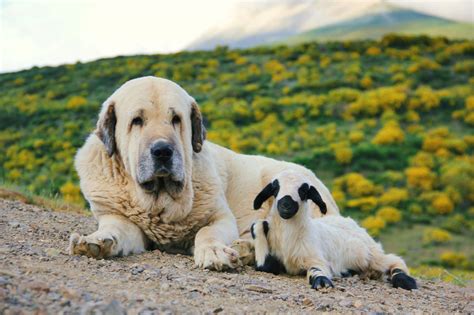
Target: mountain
x=374, y=26
x=294, y=22
x=266, y=22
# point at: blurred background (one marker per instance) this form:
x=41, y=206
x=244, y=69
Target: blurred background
x=376, y=97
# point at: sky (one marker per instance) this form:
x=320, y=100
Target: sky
x=53, y=32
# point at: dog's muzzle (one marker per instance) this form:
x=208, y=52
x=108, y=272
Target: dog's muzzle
x=162, y=154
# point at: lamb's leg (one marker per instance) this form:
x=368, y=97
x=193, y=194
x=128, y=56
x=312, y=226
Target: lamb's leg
x=116, y=236
x=318, y=273
x=394, y=266
x=264, y=260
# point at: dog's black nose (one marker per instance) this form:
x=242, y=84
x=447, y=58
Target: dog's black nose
x=162, y=151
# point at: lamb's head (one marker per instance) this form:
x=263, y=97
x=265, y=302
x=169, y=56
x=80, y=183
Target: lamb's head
x=291, y=190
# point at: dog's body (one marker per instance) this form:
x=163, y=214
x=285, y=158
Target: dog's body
x=188, y=193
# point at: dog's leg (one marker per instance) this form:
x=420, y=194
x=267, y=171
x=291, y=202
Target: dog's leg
x=211, y=245
x=116, y=236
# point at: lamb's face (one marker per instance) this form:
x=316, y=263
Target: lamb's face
x=290, y=191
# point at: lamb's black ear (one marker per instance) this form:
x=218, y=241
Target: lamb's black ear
x=270, y=190
x=106, y=128
x=309, y=192
x=197, y=126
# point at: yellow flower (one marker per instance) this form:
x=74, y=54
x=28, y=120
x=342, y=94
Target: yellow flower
x=71, y=192
x=356, y=136
x=390, y=133
x=76, y=102
x=436, y=235
x=453, y=259
x=389, y=214
x=420, y=177
x=442, y=204
x=373, y=225
x=393, y=196
x=365, y=204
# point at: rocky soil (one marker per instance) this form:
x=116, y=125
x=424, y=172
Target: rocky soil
x=38, y=276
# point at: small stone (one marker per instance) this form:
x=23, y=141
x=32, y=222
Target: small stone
x=52, y=252
x=257, y=288
x=357, y=304
x=345, y=303
x=218, y=310
x=307, y=302
x=38, y=286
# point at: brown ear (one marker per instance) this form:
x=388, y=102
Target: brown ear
x=106, y=128
x=198, y=130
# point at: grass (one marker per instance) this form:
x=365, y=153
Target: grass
x=463, y=278
x=10, y=192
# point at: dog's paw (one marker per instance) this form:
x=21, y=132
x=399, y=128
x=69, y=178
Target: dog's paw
x=216, y=256
x=402, y=280
x=92, y=245
x=246, y=251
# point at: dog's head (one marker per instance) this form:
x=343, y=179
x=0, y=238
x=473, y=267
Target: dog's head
x=154, y=126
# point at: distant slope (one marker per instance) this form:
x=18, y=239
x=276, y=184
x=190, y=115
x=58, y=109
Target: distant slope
x=257, y=23
x=375, y=26
x=290, y=22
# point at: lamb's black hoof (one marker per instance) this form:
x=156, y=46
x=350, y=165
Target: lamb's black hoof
x=404, y=281
x=271, y=265
x=349, y=273
x=320, y=282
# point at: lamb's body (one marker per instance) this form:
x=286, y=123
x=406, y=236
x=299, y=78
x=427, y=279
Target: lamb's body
x=323, y=247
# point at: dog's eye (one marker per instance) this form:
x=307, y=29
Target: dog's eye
x=176, y=120
x=137, y=121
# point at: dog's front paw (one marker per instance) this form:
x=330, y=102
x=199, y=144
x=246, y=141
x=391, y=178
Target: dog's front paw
x=246, y=251
x=216, y=256
x=91, y=245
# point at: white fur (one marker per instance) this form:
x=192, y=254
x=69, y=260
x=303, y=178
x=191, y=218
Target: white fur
x=332, y=244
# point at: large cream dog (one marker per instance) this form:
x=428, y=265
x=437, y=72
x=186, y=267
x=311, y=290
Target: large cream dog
x=152, y=180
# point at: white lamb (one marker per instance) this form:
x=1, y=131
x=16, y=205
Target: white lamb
x=332, y=246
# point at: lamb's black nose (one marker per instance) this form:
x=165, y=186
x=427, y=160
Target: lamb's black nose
x=287, y=207
x=162, y=151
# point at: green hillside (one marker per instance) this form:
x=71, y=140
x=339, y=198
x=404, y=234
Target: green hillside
x=375, y=26
x=388, y=125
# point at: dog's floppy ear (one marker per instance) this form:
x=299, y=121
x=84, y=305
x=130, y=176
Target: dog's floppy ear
x=270, y=190
x=309, y=192
x=106, y=128
x=197, y=126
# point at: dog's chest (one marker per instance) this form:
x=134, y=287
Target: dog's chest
x=173, y=234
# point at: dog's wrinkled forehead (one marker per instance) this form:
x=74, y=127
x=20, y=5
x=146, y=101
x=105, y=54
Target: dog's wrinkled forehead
x=150, y=92
x=289, y=183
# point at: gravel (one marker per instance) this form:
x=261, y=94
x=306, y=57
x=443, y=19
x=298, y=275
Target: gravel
x=38, y=276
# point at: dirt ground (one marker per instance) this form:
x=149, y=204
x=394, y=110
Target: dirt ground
x=38, y=276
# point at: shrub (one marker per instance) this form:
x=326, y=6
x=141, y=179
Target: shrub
x=373, y=225
x=442, y=204
x=365, y=204
x=453, y=259
x=436, y=236
x=390, y=133
x=76, y=102
x=71, y=192
x=393, y=196
x=420, y=177
x=389, y=214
